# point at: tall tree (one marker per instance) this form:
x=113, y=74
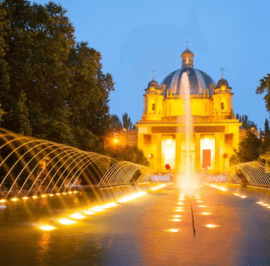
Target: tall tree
x=266, y=127
x=39, y=39
x=246, y=123
x=89, y=91
x=21, y=113
x=249, y=148
x=127, y=124
x=265, y=87
x=116, y=123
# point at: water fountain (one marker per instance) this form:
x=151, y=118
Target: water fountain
x=30, y=167
x=254, y=173
x=186, y=176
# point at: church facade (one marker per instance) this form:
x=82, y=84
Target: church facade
x=161, y=130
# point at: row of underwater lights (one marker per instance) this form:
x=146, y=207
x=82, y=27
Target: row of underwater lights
x=14, y=199
x=262, y=203
x=74, y=217
x=180, y=208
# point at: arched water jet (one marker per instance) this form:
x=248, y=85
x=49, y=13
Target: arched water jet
x=30, y=162
x=256, y=173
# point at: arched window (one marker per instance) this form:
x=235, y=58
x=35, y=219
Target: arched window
x=222, y=106
x=153, y=107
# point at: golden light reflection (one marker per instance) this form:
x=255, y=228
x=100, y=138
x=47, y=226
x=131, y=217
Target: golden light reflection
x=218, y=187
x=199, y=201
x=174, y=230
x=3, y=200
x=70, y=192
x=202, y=206
x=109, y=205
x=97, y=209
x=260, y=202
x=77, y=215
x=177, y=216
x=205, y=213
x=176, y=220
x=132, y=196
x=51, y=195
x=88, y=212
x=180, y=203
x=177, y=210
x=47, y=227
x=158, y=187
x=14, y=199
x=58, y=194
x=25, y=198
x=211, y=225
x=35, y=197
x=43, y=196
x=65, y=221
x=64, y=193
x=264, y=204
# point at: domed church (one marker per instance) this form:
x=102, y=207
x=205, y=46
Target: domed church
x=161, y=131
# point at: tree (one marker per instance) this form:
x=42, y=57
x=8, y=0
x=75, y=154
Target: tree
x=266, y=127
x=127, y=124
x=246, y=123
x=116, y=123
x=21, y=113
x=89, y=92
x=265, y=87
x=249, y=148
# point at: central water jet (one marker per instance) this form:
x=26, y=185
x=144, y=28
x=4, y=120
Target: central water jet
x=186, y=176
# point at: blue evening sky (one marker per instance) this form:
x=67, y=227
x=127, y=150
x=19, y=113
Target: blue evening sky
x=137, y=36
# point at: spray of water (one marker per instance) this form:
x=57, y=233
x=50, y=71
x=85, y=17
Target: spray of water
x=187, y=177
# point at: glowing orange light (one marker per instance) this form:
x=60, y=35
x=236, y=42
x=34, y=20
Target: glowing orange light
x=47, y=227
x=205, y=213
x=109, y=205
x=35, y=197
x=173, y=230
x=25, y=198
x=14, y=199
x=43, y=196
x=211, y=225
x=176, y=220
x=2, y=200
x=202, y=206
x=77, y=215
x=66, y=221
x=88, y=212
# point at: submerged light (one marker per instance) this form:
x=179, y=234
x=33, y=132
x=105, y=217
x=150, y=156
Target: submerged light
x=77, y=215
x=211, y=225
x=66, y=221
x=47, y=227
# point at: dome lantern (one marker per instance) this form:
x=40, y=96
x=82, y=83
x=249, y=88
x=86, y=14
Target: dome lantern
x=187, y=58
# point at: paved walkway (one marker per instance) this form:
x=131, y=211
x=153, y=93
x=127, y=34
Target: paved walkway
x=155, y=229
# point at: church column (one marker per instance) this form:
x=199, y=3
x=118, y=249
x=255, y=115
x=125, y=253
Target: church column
x=178, y=151
x=197, y=151
x=217, y=152
x=158, y=153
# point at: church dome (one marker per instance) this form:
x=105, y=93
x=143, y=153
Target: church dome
x=199, y=81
